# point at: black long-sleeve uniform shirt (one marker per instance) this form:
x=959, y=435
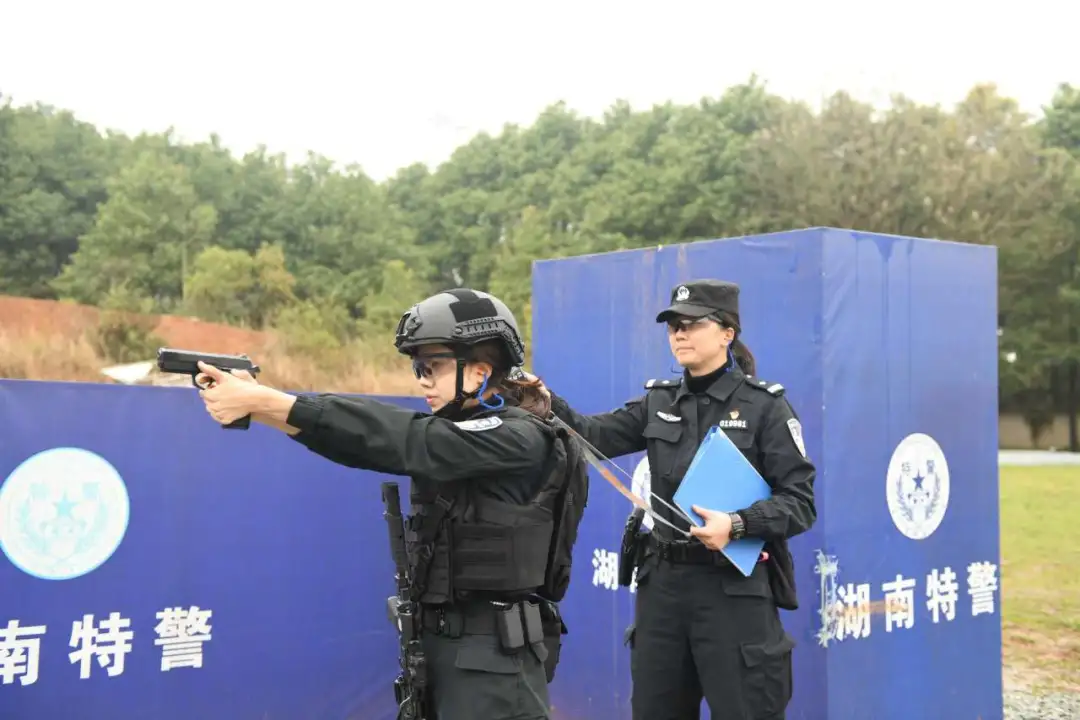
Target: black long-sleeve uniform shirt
x=671, y=420
x=504, y=455
x=672, y=423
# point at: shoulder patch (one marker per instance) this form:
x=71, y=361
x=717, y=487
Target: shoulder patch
x=795, y=428
x=480, y=424
x=669, y=383
x=774, y=389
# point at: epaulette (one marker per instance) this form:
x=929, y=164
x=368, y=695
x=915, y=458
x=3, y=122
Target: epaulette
x=774, y=389
x=669, y=383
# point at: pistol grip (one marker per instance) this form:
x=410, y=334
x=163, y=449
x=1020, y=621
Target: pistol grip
x=241, y=424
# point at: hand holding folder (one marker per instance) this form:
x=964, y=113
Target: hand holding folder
x=721, y=478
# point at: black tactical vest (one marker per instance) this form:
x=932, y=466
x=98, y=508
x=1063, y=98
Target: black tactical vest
x=462, y=544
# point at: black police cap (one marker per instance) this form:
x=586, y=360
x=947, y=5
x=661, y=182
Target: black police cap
x=699, y=298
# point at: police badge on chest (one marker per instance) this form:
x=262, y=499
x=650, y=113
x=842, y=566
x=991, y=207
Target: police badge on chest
x=733, y=421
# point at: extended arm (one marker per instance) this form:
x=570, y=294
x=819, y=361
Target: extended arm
x=370, y=434
x=614, y=433
x=270, y=418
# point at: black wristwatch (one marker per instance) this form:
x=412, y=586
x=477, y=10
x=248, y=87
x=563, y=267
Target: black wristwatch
x=738, y=527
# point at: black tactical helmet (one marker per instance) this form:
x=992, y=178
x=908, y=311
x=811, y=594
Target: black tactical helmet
x=460, y=317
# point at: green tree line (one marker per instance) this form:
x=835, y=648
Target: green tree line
x=155, y=224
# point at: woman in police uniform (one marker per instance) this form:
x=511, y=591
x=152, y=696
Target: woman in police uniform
x=701, y=627
x=483, y=453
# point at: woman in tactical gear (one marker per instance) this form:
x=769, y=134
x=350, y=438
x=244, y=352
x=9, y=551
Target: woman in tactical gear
x=486, y=470
x=701, y=627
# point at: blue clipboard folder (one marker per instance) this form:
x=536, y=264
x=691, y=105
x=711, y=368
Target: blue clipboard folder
x=721, y=478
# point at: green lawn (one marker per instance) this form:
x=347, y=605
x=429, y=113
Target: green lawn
x=1040, y=548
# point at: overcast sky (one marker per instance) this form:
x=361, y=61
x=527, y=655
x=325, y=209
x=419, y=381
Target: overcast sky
x=384, y=87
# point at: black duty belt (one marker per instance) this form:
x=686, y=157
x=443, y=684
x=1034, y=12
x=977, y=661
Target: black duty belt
x=686, y=552
x=473, y=618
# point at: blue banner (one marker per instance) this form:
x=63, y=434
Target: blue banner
x=163, y=567
x=158, y=566
x=891, y=364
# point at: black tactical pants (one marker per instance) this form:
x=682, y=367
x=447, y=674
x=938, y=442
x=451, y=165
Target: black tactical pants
x=472, y=678
x=706, y=630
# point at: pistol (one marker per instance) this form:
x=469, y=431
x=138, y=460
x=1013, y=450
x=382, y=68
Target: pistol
x=186, y=362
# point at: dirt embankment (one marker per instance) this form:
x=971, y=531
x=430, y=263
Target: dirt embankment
x=48, y=340
x=24, y=317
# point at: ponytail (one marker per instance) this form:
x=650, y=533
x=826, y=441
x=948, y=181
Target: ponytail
x=527, y=395
x=743, y=356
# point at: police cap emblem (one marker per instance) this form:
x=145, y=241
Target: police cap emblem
x=700, y=298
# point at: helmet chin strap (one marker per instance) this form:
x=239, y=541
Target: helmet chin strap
x=455, y=406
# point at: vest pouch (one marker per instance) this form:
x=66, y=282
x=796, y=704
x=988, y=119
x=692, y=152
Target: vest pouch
x=510, y=627
x=506, y=555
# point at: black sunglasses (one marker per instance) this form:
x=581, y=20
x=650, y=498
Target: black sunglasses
x=423, y=368
x=676, y=324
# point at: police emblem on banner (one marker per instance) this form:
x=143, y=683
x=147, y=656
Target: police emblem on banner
x=917, y=486
x=63, y=512
x=641, y=485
